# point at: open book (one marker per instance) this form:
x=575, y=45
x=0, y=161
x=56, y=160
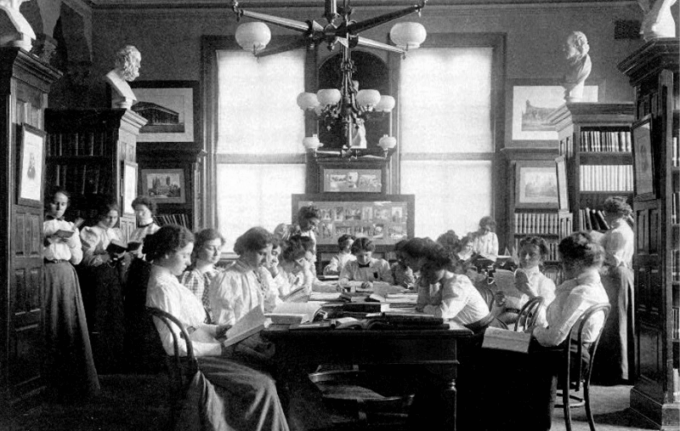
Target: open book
x=251, y=323
x=503, y=339
x=289, y=313
x=505, y=280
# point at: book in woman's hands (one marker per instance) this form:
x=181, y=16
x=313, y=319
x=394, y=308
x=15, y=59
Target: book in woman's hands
x=64, y=234
x=251, y=323
x=116, y=246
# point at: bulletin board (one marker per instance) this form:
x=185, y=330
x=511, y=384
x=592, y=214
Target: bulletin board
x=386, y=219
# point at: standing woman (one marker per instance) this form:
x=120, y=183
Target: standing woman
x=616, y=360
x=69, y=364
x=144, y=208
x=101, y=277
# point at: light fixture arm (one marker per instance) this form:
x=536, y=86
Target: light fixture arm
x=291, y=24
x=358, y=27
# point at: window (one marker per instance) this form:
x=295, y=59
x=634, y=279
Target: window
x=447, y=136
x=259, y=155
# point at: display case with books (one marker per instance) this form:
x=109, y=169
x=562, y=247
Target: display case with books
x=595, y=139
x=86, y=150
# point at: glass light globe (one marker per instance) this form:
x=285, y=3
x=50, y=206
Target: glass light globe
x=329, y=96
x=387, y=142
x=307, y=101
x=368, y=98
x=386, y=104
x=408, y=35
x=311, y=143
x=253, y=36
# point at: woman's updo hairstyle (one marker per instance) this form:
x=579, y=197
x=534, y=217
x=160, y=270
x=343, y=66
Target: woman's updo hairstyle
x=538, y=242
x=416, y=247
x=105, y=207
x=579, y=248
x=363, y=244
x=296, y=248
x=438, y=257
x=450, y=241
x=617, y=205
x=167, y=239
x=255, y=238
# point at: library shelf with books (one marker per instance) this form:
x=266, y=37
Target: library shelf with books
x=86, y=150
x=596, y=141
x=653, y=72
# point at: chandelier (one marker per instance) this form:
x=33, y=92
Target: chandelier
x=347, y=106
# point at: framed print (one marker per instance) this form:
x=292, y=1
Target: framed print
x=129, y=188
x=170, y=108
x=642, y=158
x=352, y=180
x=31, y=166
x=536, y=185
x=562, y=186
x=165, y=186
x=529, y=104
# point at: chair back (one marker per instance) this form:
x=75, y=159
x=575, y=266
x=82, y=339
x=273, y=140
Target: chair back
x=581, y=376
x=180, y=368
x=529, y=313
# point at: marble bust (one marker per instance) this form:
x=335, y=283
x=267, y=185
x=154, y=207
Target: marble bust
x=578, y=67
x=15, y=31
x=127, y=64
x=658, y=21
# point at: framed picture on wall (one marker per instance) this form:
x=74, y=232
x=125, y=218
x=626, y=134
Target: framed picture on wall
x=129, y=189
x=31, y=166
x=530, y=102
x=171, y=109
x=536, y=184
x=165, y=186
x=352, y=180
x=643, y=160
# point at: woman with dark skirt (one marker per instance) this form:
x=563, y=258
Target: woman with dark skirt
x=69, y=366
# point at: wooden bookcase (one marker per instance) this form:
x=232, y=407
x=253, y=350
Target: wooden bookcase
x=653, y=72
x=596, y=142
x=86, y=152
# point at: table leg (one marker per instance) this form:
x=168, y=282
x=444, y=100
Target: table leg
x=449, y=396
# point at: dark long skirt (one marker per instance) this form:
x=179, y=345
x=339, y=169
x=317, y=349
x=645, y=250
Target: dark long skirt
x=69, y=365
x=616, y=353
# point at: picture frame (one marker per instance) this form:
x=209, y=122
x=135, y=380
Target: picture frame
x=529, y=103
x=129, y=189
x=171, y=109
x=643, y=162
x=536, y=184
x=562, y=185
x=31, y=167
x=165, y=186
x=352, y=180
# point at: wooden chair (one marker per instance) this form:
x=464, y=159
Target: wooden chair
x=181, y=369
x=529, y=313
x=572, y=381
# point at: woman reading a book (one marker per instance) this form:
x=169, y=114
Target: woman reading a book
x=70, y=369
x=295, y=274
x=617, y=349
x=102, y=276
x=207, y=252
x=144, y=208
x=237, y=396
x=531, y=379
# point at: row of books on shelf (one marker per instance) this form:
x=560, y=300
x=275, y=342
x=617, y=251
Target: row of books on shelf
x=605, y=141
x=78, y=144
x=179, y=218
x=542, y=223
x=675, y=201
x=552, y=246
x=81, y=179
x=592, y=219
x=606, y=178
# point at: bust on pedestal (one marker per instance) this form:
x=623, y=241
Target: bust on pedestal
x=15, y=31
x=578, y=66
x=128, y=61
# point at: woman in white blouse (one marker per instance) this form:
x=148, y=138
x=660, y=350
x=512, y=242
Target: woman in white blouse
x=238, y=397
x=70, y=367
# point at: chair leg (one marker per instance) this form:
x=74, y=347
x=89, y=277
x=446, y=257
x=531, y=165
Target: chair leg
x=589, y=413
x=566, y=407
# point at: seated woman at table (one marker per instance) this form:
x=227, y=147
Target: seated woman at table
x=441, y=292
x=485, y=242
x=365, y=269
x=244, y=285
x=530, y=282
x=531, y=380
x=238, y=397
x=344, y=255
x=295, y=272
x=401, y=273
x=207, y=252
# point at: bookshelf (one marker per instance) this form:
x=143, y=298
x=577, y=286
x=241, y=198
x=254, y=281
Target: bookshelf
x=595, y=140
x=85, y=154
x=653, y=72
